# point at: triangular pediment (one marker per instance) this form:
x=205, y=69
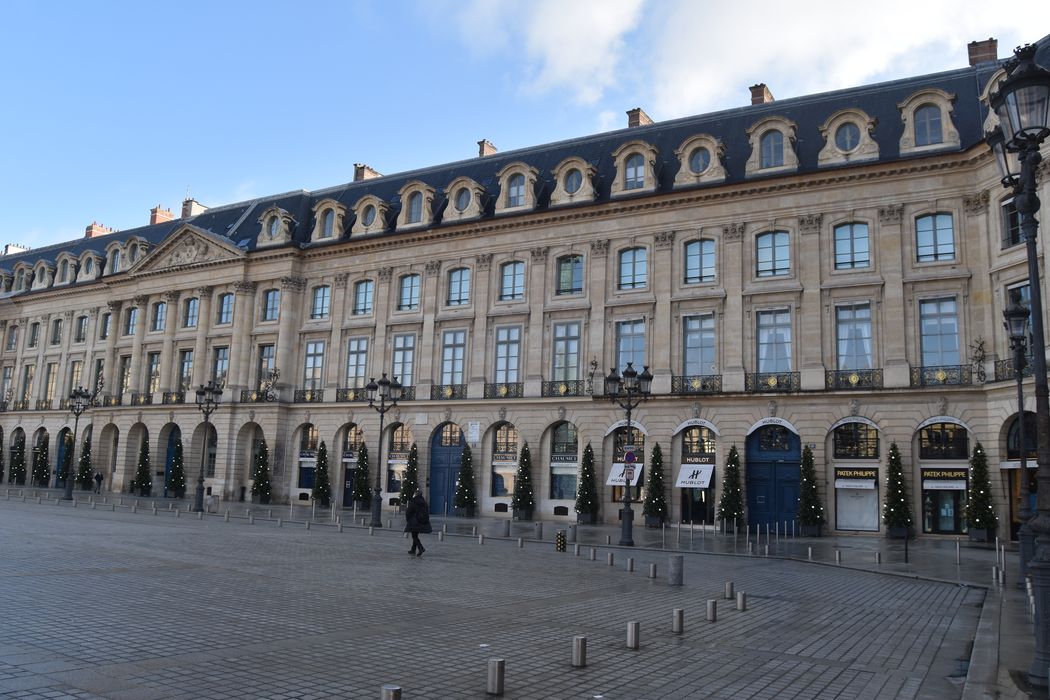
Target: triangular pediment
x=188, y=247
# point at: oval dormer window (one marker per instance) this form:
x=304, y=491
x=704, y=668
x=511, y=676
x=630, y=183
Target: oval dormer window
x=573, y=181
x=368, y=216
x=275, y=226
x=699, y=160
x=847, y=137
x=462, y=199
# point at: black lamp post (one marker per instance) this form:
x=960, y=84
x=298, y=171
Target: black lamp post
x=388, y=392
x=79, y=400
x=1022, y=103
x=208, y=396
x=628, y=392
x=1016, y=323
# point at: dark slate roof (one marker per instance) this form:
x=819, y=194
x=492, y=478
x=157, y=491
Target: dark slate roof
x=239, y=222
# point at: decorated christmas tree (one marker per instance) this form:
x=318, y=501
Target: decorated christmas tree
x=587, y=492
x=17, y=475
x=896, y=512
x=177, y=475
x=731, y=504
x=410, y=481
x=655, y=505
x=464, y=500
x=362, y=489
x=260, y=474
x=322, y=491
x=143, y=473
x=523, y=501
x=85, y=474
x=810, y=511
x=980, y=511
x=1, y=457
x=41, y=473
x=65, y=466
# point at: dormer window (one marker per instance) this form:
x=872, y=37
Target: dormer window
x=328, y=224
x=516, y=190
x=115, y=262
x=368, y=217
x=634, y=173
x=517, y=187
x=417, y=202
x=415, y=208
x=20, y=280
x=328, y=220
x=89, y=266
x=772, y=145
x=928, y=125
x=574, y=178
x=462, y=199
x=63, y=271
x=573, y=181
x=275, y=226
x=847, y=137
x=699, y=160
x=465, y=198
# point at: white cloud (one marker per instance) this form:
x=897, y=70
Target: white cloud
x=608, y=120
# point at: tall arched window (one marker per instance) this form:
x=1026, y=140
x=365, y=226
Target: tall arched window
x=415, y=208
x=856, y=441
x=308, y=440
x=516, y=190
x=564, y=451
x=634, y=172
x=328, y=224
x=771, y=149
x=504, y=459
x=928, y=125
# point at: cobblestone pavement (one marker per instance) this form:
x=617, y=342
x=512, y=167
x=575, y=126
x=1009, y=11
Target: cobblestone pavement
x=101, y=604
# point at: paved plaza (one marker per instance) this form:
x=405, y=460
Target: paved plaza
x=97, y=603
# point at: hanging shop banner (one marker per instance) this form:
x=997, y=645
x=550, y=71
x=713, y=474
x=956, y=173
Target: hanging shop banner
x=695, y=476
x=616, y=475
x=856, y=477
x=942, y=479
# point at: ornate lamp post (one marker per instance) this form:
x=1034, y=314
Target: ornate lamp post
x=208, y=397
x=1016, y=323
x=628, y=392
x=79, y=401
x=1022, y=103
x=388, y=393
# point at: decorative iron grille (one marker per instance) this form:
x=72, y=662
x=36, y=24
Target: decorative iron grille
x=853, y=379
x=353, y=393
x=443, y=392
x=174, y=397
x=569, y=387
x=943, y=375
x=141, y=399
x=309, y=395
x=504, y=390
x=696, y=384
x=760, y=382
x=1004, y=369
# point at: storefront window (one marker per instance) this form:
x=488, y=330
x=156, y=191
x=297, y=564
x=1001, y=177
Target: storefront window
x=944, y=499
x=943, y=441
x=307, y=456
x=620, y=444
x=564, y=461
x=695, y=475
x=504, y=459
x=856, y=441
x=397, y=457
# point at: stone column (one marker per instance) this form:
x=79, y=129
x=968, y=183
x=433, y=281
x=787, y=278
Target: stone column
x=87, y=377
x=733, y=322
x=981, y=303
x=894, y=314
x=109, y=372
x=597, y=292
x=808, y=314
x=531, y=359
x=167, y=348
x=241, y=342
x=62, y=388
x=200, y=345
x=335, y=371
x=425, y=376
x=380, y=357
x=287, y=335
x=480, y=343
x=661, y=273
x=140, y=302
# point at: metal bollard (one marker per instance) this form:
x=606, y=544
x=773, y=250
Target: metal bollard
x=594, y=554
x=838, y=556
x=474, y=530
x=608, y=539
x=494, y=686
x=481, y=539
x=878, y=557
x=633, y=629
x=995, y=575
x=809, y=553
x=75, y=505
x=340, y=527
x=1002, y=576
x=506, y=528
x=767, y=549
x=441, y=536
x=538, y=529
x=176, y=512
x=390, y=522
x=750, y=547
x=675, y=570
x=371, y=530
x=630, y=563
x=226, y=518
x=521, y=543
x=609, y=558
x=390, y=692
x=712, y=610
x=307, y=524
x=729, y=590
x=200, y=515
x=741, y=601
x=251, y=520
x=652, y=571
x=444, y=526
x=278, y=522
x=958, y=552
x=579, y=651
x=576, y=550
x=677, y=620
x=93, y=504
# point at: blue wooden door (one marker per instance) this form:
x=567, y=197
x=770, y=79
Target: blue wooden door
x=774, y=457
x=446, y=451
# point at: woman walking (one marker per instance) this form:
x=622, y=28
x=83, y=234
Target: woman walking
x=417, y=520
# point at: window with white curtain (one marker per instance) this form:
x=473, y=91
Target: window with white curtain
x=774, y=341
x=853, y=335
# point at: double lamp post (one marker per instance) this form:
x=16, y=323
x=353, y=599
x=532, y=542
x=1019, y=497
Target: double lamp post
x=628, y=391
x=388, y=392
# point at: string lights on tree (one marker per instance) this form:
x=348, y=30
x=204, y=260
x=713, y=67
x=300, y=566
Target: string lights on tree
x=587, y=492
x=731, y=504
x=896, y=511
x=464, y=499
x=980, y=511
x=810, y=509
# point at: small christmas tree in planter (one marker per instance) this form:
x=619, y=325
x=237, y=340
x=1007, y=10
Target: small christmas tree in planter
x=41, y=473
x=17, y=474
x=896, y=511
x=465, y=501
x=362, y=492
x=731, y=504
x=655, y=506
x=260, y=474
x=810, y=511
x=587, y=491
x=523, y=502
x=410, y=481
x=143, y=474
x=322, y=491
x=980, y=511
x=85, y=475
x=177, y=475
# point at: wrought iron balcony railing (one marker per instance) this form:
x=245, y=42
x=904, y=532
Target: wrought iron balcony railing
x=567, y=387
x=443, y=392
x=943, y=375
x=110, y=400
x=1004, y=369
x=309, y=395
x=174, y=397
x=853, y=379
x=351, y=393
x=255, y=396
x=20, y=405
x=43, y=404
x=408, y=393
x=696, y=384
x=760, y=382
x=504, y=390
x=138, y=399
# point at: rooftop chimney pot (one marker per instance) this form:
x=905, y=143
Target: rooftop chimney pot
x=637, y=117
x=760, y=94
x=96, y=229
x=159, y=216
x=191, y=207
x=365, y=172
x=486, y=148
x=983, y=51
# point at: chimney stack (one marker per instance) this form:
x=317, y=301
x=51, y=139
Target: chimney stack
x=983, y=51
x=637, y=117
x=96, y=229
x=159, y=216
x=191, y=207
x=365, y=172
x=486, y=148
x=760, y=94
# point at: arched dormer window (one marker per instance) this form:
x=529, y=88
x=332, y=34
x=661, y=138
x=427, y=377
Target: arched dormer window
x=370, y=215
x=517, y=186
x=115, y=262
x=847, y=138
x=699, y=161
x=43, y=275
x=772, y=147
x=415, y=208
x=20, y=281
x=328, y=224
x=417, y=198
x=276, y=227
x=464, y=200
x=635, y=169
x=574, y=182
x=63, y=272
x=928, y=125
x=328, y=220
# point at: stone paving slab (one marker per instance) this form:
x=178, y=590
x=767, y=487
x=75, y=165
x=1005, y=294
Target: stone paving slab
x=114, y=605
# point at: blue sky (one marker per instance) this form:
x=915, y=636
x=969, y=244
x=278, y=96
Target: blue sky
x=114, y=107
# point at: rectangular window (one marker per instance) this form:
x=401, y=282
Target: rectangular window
x=363, y=292
x=570, y=275
x=103, y=326
x=267, y=357
x=512, y=282
x=404, y=358
x=408, y=300
x=185, y=369
x=12, y=338
x=698, y=345
x=100, y=366
x=56, y=331
x=459, y=287
x=28, y=373
x=773, y=254
x=630, y=344
x=271, y=304
x=131, y=320
x=5, y=382
x=566, y=352
x=313, y=365
x=853, y=336
x=221, y=364
x=225, y=311
x=34, y=335
x=50, y=377
x=80, y=329
x=160, y=316
x=934, y=238
x=633, y=269
x=356, y=362
x=322, y=300
x=939, y=331
x=774, y=341
x=189, y=313
x=76, y=368
x=453, y=350
x=1011, y=224
x=508, y=352
x=124, y=378
x=700, y=261
x=153, y=372
x=851, y=246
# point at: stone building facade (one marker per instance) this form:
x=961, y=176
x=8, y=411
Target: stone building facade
x=827, y=271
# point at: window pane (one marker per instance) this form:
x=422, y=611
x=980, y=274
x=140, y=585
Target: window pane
x=853, y=328
x=630, y=344
x=699, y=345
x=774, y=341
x=939, y=330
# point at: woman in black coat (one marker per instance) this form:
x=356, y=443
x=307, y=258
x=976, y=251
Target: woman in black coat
x=417, y=520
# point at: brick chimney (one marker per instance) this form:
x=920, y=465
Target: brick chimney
x=365, y=172
x=637, y=117
x=191, y=207
x=983, y=51
x=96, y=229
x=486, y=148
x=760, y=94
x=159, y=216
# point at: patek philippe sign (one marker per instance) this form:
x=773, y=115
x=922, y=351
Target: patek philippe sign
x=944, y=479
x=617, y=478
x=863, y=478
x=695, y=476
